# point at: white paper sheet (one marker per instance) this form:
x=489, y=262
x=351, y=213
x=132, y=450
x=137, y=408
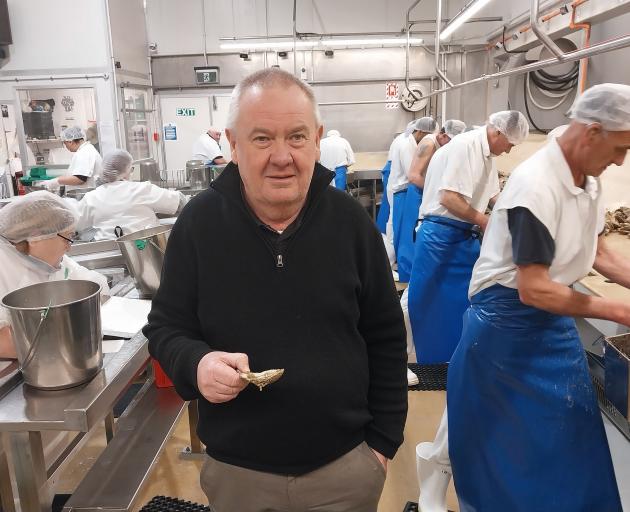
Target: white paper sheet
x=122, y=317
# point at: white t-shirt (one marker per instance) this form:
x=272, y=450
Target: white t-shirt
x=335, y=151
x=131, y=205
x=573, y=216
x=206, y=148
x=464, y=165
x=86, y=161
x=403, y=149
x=16, y=271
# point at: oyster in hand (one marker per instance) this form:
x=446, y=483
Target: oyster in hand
x=262, y=379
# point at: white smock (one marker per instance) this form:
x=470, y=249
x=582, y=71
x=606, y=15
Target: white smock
x=574, y=217
x=18, y=270
x=131, y=205
x=464, y=165
x=206, y=148
x=86, y=161
x=335, y=152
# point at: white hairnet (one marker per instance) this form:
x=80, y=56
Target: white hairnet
x=72, y=133
x=116, y=165
x=425, y=124
x=36, y=216
x=607, y=104
x=333, y=133
x=512, y=124
x=410, y=127
x=453, y=127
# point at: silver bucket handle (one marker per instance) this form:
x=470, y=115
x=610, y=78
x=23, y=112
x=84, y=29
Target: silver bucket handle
x=156, y=246
x=36, y=338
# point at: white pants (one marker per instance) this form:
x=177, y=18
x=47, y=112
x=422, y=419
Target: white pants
x=404, y=305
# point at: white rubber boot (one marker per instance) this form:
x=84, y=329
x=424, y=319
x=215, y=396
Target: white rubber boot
x=434, y=479
x=434, y=470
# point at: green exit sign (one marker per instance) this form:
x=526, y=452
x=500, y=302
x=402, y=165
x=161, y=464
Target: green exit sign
x=186, y=112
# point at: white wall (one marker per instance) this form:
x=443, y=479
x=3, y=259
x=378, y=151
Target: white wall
x=56, y=35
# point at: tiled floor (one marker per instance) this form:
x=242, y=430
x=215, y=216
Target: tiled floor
x=175, y=477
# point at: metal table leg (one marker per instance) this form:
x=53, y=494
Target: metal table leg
x=195, y=450
x=28, y=470
x=7, y=503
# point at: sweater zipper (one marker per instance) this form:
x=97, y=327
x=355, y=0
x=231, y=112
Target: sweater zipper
x=279, y=262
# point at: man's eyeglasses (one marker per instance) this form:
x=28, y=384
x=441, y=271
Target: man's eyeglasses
x=69, y=240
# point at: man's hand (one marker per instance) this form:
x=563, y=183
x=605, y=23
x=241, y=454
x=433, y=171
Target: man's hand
x=382, y=459
x=217, y=376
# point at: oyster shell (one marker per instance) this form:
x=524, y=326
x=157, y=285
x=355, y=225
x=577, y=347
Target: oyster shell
x=262, y=379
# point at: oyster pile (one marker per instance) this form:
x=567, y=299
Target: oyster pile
x=618, y=221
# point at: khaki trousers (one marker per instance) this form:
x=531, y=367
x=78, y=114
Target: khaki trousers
x=352, y=483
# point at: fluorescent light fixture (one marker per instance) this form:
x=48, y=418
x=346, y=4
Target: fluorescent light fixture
x=463, y=16
x=371, y=42
x=284, y=45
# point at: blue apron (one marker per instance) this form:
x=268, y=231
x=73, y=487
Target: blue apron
x=444, y=255
x=340, y=177
x=397, y=212
x=525, y=432
x=404, y=256
x=383, y=212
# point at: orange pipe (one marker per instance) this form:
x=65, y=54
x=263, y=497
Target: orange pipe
x=546, y=17
x=587, y=42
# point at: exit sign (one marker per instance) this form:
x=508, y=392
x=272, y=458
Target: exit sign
x=186, y=112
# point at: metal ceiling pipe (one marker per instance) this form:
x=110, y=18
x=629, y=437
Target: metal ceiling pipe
x=607, y=46
x=438, y=31
x=541, y=34
x=408, y=26
x=295, y=38
x=523, y=17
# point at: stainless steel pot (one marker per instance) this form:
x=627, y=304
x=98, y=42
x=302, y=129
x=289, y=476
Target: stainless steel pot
x=197, y=174
x=144, y=253
x=149, y=171
x=57, y=332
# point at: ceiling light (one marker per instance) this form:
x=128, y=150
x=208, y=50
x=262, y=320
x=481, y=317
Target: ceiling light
x=371, y=42
x=284, y=45
x=472, y=8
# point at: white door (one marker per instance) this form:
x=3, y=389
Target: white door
x=184, y=119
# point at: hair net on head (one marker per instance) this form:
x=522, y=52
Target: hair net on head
x=607, y=104
x=36, y=216
x=410, y=127
x=453, y=127
x=72, y=133
x=116, y=165
x=512, y=124
x=333, y=133
x=425, y=124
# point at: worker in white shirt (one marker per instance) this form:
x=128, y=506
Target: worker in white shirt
x=120, y=203
x=417, y=171
x=523, y=419
x=402, y=156
x=382, y=217
x=207, y=148
x=85, y=165
x=461, y=182
x=337, y=156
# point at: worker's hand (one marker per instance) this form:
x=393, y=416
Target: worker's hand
x=381, y=458
x=52, y=185
x=217, y=376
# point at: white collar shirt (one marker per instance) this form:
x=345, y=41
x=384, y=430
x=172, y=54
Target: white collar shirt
x=574, y=217
x=464, y=165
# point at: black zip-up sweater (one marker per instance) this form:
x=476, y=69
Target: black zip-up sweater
x=321, y=304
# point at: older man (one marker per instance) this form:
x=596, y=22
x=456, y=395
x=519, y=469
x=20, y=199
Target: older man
x=207, y=148
x=427, y=147
x=337, y=156
x=524, y=424
x=252, y=280
x=461, y=182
